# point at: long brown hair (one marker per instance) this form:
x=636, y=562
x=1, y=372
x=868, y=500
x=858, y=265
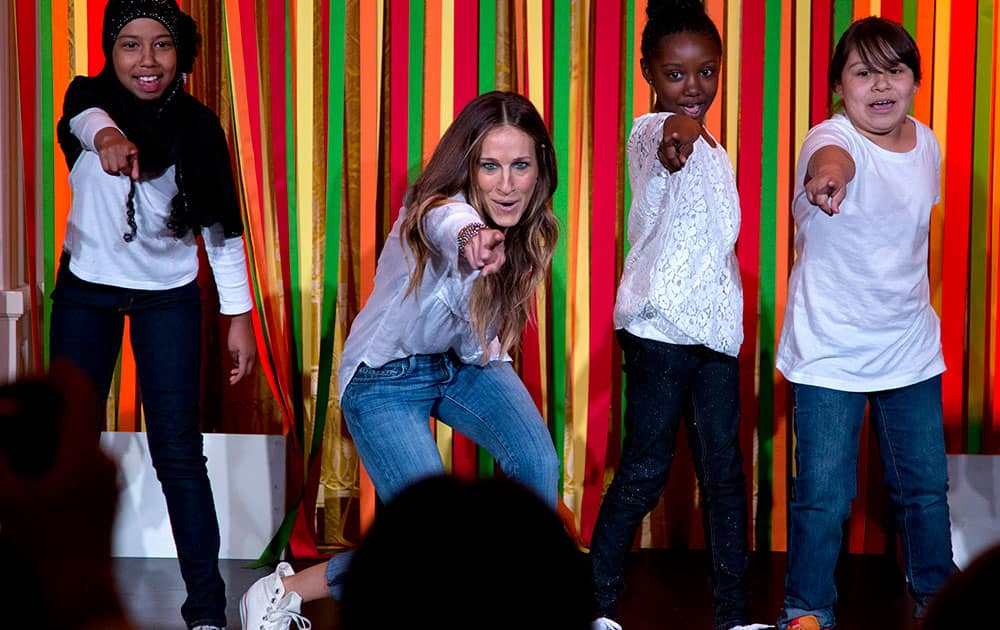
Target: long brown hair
x=503, y=299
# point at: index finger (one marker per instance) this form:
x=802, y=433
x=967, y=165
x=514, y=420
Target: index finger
x=493, y=238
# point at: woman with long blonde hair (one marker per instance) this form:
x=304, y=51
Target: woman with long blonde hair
x=454, y=289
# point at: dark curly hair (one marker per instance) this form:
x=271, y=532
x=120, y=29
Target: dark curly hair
x=666, y=17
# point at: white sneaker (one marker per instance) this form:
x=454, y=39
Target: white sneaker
x=603, y=623
x=266, y=605
x=753, y=626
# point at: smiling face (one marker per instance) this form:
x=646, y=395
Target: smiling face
x=684, y=72
x=876, y=100
x=506, y=174
x=145, y=58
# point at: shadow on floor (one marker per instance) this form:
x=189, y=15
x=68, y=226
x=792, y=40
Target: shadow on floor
x=664, y=589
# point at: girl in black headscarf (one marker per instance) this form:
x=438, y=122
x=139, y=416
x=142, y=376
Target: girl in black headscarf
x=150, y=170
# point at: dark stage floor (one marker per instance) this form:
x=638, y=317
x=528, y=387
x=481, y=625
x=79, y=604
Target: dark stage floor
x=666, y=589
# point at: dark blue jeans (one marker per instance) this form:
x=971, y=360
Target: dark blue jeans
x=87, y=324
x=827, y=425
x=666, y=383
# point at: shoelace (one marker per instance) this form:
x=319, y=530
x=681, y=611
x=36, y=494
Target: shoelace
x=275, y=615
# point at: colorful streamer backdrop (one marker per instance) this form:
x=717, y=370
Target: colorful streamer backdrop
x=332, y=108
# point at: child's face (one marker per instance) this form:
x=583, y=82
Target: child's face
x=684, y=72
x=145, y=58
x=506, y=174
x=876, y=100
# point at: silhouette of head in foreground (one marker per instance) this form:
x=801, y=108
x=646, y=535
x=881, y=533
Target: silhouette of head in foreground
x=484, y=554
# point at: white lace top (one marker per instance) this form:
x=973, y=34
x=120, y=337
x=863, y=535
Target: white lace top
x=681, y=282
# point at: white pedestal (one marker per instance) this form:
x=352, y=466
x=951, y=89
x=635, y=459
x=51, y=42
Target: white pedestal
x=247, y=473
x=12, y=305
x=974, y=501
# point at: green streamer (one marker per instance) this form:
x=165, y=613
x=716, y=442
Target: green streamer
x=843, y=15
x=910, y=17
x=47, y=122
x=487, y=45
x=486, y=467
x=561, y=81
x=768, y=288
x=415, y=113
x=629, y=72
x=979, y=232
x=294, y=269
x=272, y=553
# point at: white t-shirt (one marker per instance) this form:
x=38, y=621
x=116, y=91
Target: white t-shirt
x=435, y=317
x=858, y=316
x=155, y=259
x=681, y=281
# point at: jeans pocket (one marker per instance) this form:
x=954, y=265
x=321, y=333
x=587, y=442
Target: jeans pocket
x=390, y=371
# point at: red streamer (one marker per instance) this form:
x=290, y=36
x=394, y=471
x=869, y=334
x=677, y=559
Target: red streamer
x=604, y=205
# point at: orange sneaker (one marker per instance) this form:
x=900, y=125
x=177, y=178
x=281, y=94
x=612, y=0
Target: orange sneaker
x=807, y=622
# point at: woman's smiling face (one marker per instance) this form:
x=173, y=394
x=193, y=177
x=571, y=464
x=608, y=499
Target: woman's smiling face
x=506, y=175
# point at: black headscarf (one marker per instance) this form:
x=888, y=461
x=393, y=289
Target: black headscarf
x=172, y=129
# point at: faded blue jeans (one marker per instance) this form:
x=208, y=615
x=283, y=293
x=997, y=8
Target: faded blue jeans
x=827, y=425
x=387, y=410
x=667, y=383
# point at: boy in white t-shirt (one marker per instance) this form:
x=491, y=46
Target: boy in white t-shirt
x=859, y=328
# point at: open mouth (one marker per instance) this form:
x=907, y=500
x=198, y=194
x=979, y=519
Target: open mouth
x=883, y=105
x=506, y=206
x=149, y=82
x=694, y=110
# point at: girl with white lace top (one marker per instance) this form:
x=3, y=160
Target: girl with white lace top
x=679, y=317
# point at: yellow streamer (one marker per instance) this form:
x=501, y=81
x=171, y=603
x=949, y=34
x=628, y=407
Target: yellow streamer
x=731, y=135
x=447, y=65
x=78, y=37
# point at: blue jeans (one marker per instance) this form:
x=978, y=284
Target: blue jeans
x=668, y=382
x=87, y=324
x=827, y=425
x=388, y=408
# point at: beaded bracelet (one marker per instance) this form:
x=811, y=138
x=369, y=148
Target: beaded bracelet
x=466, y=234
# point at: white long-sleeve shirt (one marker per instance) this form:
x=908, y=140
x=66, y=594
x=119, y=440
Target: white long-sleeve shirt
x=155, y=259
x=681, y=282
x=434, y=318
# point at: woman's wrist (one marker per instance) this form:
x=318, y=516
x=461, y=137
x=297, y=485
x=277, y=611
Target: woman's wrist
x=467, y=233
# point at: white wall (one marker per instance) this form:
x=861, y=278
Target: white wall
x=247, y=473
x=974, y=500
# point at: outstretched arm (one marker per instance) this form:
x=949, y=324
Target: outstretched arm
x=679, y=135
x=829, y=171
x=485, y=251
x=96, y=131
x=118, y=154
